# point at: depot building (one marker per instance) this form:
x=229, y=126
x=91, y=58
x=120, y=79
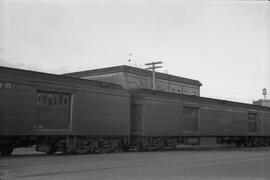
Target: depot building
x=136, y=78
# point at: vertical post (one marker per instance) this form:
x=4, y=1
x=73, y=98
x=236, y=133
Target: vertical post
x=71, y=113
x=153, y=68
x=154, y=79
x=264, y=93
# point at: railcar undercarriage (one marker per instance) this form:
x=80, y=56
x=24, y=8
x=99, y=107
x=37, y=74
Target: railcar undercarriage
x=170, y=143
x=81, y=144
x=100, y=144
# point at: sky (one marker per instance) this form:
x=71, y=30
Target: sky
x=223, y=44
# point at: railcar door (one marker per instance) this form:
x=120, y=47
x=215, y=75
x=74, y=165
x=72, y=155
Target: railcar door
x=53, y=110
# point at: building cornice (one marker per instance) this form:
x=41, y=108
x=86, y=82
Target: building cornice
x=132, y=70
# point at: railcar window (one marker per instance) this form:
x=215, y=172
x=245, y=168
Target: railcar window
x=66, y=100
x=44, y=99
x=39, y=98
x=8, y=85
x=50, y=101
x=53, y=99
x=60, y=99
x=191, y=118
x=252, y=122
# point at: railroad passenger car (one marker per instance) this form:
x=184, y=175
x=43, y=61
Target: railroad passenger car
x=58, y=113
x=163, y=120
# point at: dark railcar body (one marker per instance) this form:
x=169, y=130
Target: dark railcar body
x=159, y=114
x=58, y=113
x=38, y=104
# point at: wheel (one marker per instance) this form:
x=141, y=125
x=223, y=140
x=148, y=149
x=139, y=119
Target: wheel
x=140, y=147
x=249, y=143
x=265, y=143
x=103, y=150
x=238, y=143
x=5, y=151
x=117, y=148
x=51, y=151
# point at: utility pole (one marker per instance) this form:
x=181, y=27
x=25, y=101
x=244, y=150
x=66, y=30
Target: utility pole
x=153, y=67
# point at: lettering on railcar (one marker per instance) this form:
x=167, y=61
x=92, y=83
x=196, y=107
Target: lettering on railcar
x=5, y=85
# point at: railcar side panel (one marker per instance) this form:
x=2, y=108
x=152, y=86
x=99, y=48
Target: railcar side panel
x=155, y=116
x=101, y=114
x=53, y=110
x=265, y=123
x=161, y=118
x=34, y=103
x=165, y=114
x=136, y=121
x=218, y=120
x=17, y=108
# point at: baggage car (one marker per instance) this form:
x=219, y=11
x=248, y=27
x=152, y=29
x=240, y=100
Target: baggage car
x=164, y=120
x=58, y=113
x=70, y=115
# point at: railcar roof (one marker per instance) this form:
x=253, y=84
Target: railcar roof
x=196, y=98
x=53, y=77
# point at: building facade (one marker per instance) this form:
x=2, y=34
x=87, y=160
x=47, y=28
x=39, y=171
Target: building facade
x=262, y=102
x=137, y=78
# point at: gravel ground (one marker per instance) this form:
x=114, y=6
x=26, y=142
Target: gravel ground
x=186, y=164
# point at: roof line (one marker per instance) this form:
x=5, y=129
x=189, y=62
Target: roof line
x=135, y=70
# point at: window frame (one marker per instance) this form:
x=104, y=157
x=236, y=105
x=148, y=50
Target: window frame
x=255, y=122
x=53, y=99
x=186, y=114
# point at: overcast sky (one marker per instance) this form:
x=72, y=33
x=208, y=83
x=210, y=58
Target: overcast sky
x=224, y=44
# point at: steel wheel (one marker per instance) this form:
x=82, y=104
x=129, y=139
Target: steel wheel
x=6, y=151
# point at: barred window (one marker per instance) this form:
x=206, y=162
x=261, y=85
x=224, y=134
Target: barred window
x=8, y=85
x=66, y=100
x=190, y=112
x=191, y=118
x=252, y=122
x=60, y=99
x=53, y=99
x=50, y=100
x=44, y=99
x=39, y=98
